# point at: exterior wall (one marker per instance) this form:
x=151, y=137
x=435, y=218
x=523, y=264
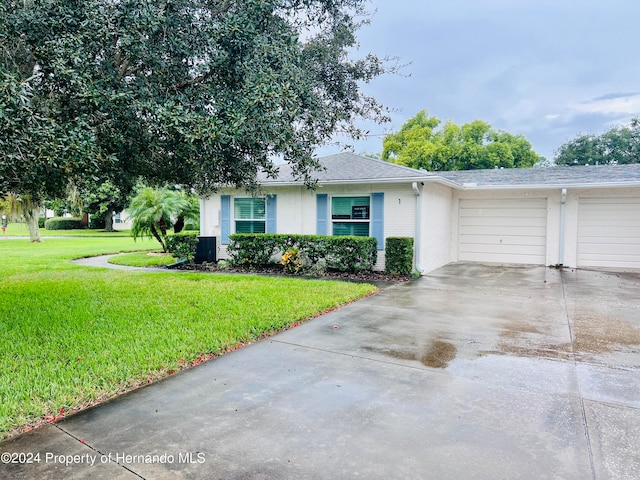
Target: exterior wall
x=435, y=234
x=296, y=210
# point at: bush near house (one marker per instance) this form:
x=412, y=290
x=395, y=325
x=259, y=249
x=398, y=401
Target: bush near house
x=63, y=223
x=398, y=258
x=182, y=245
x=344, y=254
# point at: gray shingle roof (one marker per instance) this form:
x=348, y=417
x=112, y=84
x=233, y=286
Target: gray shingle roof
x=553, y=176
x=349, y=167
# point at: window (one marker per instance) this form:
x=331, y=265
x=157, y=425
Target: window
x=351, y=215
x=249, y=215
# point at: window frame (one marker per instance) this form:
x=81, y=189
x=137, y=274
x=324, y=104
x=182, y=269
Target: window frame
x=350, y=220
x=253, y=219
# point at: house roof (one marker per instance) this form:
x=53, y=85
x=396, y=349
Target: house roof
x=350, y=168
x=345, y=168
x=575, y=176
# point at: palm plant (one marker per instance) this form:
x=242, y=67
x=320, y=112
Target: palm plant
x=153, y=212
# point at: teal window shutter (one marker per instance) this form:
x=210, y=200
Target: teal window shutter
x=225, y=219
x=271, y=214
x=322, y=214
x=377, y=218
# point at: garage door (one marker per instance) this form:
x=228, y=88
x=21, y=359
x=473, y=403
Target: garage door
x=504, y=231
x=609, y=232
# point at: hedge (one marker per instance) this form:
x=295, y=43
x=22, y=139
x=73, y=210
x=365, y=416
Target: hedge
x=63, y=223
x=345, y=254
x=398, y=258
x=182, y=245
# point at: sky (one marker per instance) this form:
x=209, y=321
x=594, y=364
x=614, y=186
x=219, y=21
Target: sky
x=547, y=69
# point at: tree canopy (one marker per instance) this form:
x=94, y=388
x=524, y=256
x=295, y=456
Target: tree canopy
x=194, y=92
x=620, y=144
x=426, y=142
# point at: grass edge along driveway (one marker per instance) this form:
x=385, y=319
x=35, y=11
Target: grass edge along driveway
x=73, y=336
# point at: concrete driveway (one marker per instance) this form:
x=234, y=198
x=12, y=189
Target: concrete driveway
x=471, y=372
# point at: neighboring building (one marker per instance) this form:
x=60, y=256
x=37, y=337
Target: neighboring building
x=586, y=216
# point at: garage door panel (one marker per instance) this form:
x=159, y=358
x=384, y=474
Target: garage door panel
x=501, y=258
x=503, y=213
x=505, y=230
x=621, y=249
x=609, y=232
x=605, y=232
x=533, y=250
x=522, y=203
x=612, y=221
x=599, y=202
x=505, y=221
x=505, y=239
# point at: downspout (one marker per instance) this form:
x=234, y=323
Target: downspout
x=416, y=242
x=563, y=206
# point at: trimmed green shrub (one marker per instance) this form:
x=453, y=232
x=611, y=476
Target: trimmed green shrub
x=345, y=254
x=398, y=257
x=182, y=245
x=41, y=222
x=63, y=223
x=97, y=221
x=248, y=249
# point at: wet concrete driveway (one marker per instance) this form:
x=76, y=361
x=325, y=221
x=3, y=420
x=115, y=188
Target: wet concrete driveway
x=471, y=372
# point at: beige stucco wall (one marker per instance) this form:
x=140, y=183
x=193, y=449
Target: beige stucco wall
x=437, y=206
x=435, y=227
x=296, y=210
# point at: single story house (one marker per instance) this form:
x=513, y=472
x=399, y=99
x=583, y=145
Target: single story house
x=582, y=216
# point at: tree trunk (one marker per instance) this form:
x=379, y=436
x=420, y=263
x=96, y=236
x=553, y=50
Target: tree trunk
x=31, y=218
x=179, y=225
x=108, y=222
x=157, y=236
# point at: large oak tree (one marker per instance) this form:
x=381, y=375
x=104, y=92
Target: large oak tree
x=426, y=142
x=196, y=92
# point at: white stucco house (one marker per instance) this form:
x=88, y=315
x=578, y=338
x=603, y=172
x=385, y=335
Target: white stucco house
x=587, y=216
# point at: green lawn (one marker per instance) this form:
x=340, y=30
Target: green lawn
x=71, y=336
x=143, y=259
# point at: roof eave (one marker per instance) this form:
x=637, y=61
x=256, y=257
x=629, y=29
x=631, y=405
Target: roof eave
x=361, y=181
x=467, y=186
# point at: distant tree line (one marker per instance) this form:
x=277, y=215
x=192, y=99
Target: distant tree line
x=619, y=145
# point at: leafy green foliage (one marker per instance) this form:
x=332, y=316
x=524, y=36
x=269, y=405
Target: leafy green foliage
x=195, y=93
x=100, y=200
x=425, y=142
x=63, y=223
x=344, y=253
x=619, y=145
x=182, y=245
x=399, y=255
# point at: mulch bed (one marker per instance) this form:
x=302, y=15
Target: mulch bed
x=276, y=269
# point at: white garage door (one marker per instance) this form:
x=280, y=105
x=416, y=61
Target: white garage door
x=609, y=232
x=504, y=231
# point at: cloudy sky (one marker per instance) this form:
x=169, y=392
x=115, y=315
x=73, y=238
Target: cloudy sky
x=546, y=69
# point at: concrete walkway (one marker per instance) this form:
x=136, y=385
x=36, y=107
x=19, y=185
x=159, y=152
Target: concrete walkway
x=471, y=372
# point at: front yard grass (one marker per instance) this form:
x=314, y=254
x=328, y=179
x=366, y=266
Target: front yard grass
x=72, y=336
